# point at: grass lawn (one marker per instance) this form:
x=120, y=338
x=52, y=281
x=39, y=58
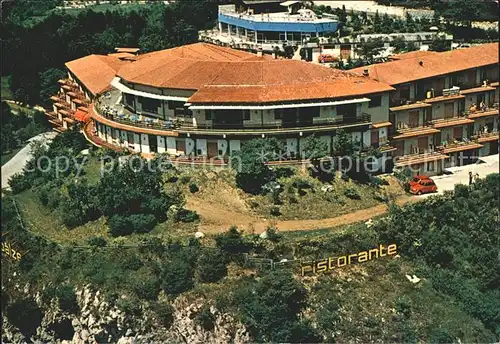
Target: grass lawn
x=8, y=156
x=6, y=91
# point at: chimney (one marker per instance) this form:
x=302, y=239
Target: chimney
x=366, y=72
x=259, y=51
x=421, y=63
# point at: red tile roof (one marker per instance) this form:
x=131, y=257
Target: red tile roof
x=95, y=72
x=226, y=75
x=411, y=69
x=412, y=54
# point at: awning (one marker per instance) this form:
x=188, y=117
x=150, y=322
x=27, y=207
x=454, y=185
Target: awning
x=82, y=116
x=276, y=106
x=117, y=84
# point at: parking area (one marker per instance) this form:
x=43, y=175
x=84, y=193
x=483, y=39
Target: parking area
x=460, y=175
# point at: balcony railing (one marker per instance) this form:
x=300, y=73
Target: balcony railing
x=186, y=123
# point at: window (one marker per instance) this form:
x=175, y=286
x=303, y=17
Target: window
x=150, y=105
x=129, y=99
x=172, y=105
x=278, y=114
x=430, y=166
x=209, y=115
x=375, y=101
x=246, y=115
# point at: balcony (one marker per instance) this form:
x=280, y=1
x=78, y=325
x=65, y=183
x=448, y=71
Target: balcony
x=450, y=122
x=411, y=106
x=405, y=132
x=420, y=158
x=106, y=108
x=483, y=137
x=485, y=112
x=458, y=146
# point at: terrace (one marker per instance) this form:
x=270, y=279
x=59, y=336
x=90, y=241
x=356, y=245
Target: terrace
x=109, y=107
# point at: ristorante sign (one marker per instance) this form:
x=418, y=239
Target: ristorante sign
x=328, y=264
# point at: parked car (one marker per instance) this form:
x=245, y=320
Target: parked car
x=423, y=186
x=417, y=179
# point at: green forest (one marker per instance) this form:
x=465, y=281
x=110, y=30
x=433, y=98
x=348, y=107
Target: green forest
x=34, y=51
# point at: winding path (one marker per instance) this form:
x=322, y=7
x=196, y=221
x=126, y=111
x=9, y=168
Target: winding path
x=216, y=219
x=18, y=161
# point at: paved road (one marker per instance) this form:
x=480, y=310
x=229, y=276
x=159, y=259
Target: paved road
x=18, y=161
x=460, y=175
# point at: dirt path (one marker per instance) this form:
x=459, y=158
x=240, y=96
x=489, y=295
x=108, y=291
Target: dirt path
x=216, y=219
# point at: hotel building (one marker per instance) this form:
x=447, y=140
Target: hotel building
x=444, y=107
x=204, y=101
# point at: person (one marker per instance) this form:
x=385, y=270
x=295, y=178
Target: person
x=472, y=108
x=482, y=106
x=470, y=177
x=476, y=178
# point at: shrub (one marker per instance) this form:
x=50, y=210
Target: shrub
x=212, y=266
x=352, y=193
x=142, y=223
x=377, y=181
x=18, y=183
x=177, y=277
x=193, y=188
x=283, y=172
x=185, y=215
x=66, y=298
x=119, y=225
x=301, y=183
x=231, y=242
x=185, y=179
x=97, y=241
x=275, y=211
x=380, y=197
x=205, y=318
x=164, y=313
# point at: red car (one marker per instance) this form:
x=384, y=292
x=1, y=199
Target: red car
x=326, y=58
x=423, y=185
x=417, y=179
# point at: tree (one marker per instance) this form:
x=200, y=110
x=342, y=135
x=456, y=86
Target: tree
x=399, y=44
x=439, y=45
x=315, y=149
x=342, y=144
x=177, y=277
x=249, y=163
x=270, y=308
x=370, y=49
x=48, y=84
x=231, y=242
x=212, y=266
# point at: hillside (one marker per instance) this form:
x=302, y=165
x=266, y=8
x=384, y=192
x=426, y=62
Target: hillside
x=223, y=286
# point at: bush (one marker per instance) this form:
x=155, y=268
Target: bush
x=193, y=188
x=164, y=313
x=377, y=181
x=185, y=179
x=177, y=277
x=142, y=223
x=352, y=193
x=185, y=215
x=275, y=211
x=119, y=226
x=205, y=318
x=283, y=172
x=66, y=298
x=18, y=183
x=97, y=241
x=212, y=266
